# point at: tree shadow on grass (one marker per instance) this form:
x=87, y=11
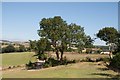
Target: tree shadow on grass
x=103, y=69
x=102, y=74
x=110, y=76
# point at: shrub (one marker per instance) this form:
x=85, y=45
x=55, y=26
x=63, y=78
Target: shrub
x=52, y=62
x=72, y=61
x=30, y=65
x=88, y=51
x=22, y=48
x=64, y=61
x=103, y=59
x=41, y=56
x=46, y=64
x=115, y=62
x=70, y=50
x=9, y=48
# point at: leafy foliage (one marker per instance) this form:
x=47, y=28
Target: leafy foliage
x=41, y=56
x=22, y=48
x=108, y=34
x=115, y=62
x=61, y=35
x=9, y=48
x=118, y=42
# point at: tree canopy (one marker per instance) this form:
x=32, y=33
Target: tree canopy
x=108, y=34
x=61, y=35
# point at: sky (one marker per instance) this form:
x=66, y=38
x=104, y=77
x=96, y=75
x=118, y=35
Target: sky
x=20, y=20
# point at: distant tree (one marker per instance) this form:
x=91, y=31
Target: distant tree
x=22, y=48
x=32, y=45
x=109, y=35
x=8, y=49
x=88, y=42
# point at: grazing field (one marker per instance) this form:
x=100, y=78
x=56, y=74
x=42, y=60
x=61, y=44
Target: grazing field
x=77, y=70
x=13, y=59
x=78, y=56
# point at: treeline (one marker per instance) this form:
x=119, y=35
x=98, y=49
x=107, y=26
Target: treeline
x=10, y=48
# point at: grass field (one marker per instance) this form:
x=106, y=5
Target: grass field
x=77, y=70
x=13, y=59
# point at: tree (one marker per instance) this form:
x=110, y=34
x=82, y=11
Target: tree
x=109, y=35
x=118, y=42
x=39, y=47
x=22, y=48
x=8, y=49
x=60, y=34
x=32, y=45
x=88, y=42
x=50, y=29
x=77, y=36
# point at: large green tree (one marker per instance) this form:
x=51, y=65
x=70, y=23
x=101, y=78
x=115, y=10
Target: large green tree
x=60, y=34
x=50, y=28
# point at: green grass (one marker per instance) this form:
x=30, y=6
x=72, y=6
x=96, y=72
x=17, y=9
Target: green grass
x=77, y=70
x=13, y=59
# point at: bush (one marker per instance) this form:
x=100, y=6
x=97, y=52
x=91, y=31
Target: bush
x=46, y=64
x=30, y=65
x=72, y=61
x=52, y=62
x=88, y=51
x=103, y=59
x=9, y=48
x=21, y=48
x=70, y=50
x=42, y=56
x=115, y=62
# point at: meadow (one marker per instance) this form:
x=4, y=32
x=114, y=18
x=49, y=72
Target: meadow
x=14, y=59
x=76, y=70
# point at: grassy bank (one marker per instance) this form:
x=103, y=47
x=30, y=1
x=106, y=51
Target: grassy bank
x=78, y=70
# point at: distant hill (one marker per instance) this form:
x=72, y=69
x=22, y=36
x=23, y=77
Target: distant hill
x=5, y=41
x=16, y=43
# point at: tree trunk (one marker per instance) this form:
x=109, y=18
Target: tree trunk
x=57, y=54
x=61, y=55
x=111, y=55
